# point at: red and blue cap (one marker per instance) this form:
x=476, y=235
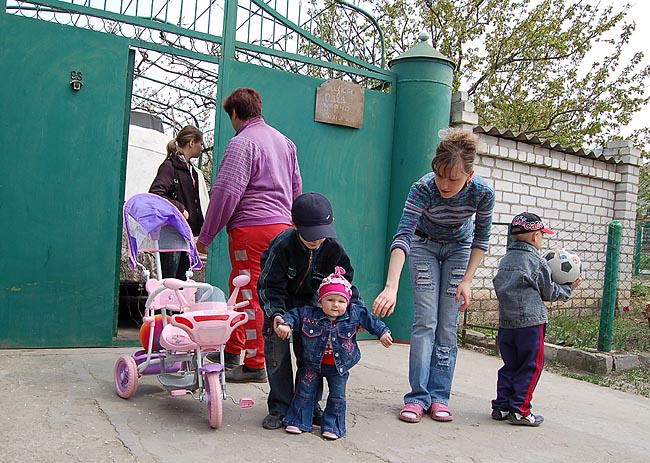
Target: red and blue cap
x=527, y=222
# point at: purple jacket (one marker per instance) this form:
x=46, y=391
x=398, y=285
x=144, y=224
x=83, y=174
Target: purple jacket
x=258, y=180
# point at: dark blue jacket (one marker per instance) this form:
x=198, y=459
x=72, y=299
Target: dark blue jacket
x=315, y=329
x=291, y=273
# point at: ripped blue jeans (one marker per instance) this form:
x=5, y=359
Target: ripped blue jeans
x=436, y=271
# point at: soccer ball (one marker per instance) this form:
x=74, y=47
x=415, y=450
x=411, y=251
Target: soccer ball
x=565, y=266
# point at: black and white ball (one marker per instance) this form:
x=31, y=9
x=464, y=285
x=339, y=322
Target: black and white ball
x=565, y=266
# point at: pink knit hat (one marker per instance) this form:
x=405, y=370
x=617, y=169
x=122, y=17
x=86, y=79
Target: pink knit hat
x=335, y=284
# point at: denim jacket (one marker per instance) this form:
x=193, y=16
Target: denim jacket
x=522, y=283
x=315, y=329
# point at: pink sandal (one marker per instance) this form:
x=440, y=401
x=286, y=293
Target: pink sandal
x=410, y=409
x=440, y=412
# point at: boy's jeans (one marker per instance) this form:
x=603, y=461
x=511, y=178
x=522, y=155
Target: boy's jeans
x=436, y=271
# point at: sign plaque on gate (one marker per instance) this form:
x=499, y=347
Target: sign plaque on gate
x=339, y=102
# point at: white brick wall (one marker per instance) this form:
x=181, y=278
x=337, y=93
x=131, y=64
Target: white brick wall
x=577, y=196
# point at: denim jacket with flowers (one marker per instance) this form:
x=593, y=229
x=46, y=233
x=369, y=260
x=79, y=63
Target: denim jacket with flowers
x=315, y=329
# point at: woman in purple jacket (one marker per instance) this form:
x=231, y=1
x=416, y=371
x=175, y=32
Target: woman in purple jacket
x=251, y=198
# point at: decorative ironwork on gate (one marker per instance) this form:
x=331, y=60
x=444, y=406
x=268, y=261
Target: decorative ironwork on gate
x=320, y=38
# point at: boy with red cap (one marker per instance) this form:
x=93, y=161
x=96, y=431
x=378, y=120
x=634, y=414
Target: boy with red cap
x=522, y=284
x=328, y=334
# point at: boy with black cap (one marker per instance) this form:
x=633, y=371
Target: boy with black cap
x=522, y=284
x=292, y=269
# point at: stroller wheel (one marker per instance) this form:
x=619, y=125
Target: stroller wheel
x=214, y=399
x=126, y=376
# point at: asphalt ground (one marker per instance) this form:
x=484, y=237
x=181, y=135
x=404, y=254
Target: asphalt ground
x=61, y=406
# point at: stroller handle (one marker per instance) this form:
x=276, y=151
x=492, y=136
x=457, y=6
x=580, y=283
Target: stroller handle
x=176, y=285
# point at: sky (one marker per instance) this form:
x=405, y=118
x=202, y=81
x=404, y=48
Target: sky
x=640, y=12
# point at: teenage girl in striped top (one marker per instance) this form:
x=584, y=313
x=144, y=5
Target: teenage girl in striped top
x=444, y=230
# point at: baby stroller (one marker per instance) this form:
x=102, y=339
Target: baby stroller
x=195, y=317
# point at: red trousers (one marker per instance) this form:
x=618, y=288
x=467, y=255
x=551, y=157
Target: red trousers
x=246, y=245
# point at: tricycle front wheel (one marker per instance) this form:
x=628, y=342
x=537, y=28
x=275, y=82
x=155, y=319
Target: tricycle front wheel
x=126, y=376
x=214, y=398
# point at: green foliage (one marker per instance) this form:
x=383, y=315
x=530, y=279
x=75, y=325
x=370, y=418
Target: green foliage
x=572, y=331
x=640, y=290
x=630, y=332
x=529, y=65
x=636, y=380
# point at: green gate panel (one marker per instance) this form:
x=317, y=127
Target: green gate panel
x=60, y=183
x=350, y=166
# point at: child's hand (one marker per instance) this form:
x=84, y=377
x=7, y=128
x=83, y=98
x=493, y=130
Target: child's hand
x=283, y=331
x=386, y=339
x=576, y=283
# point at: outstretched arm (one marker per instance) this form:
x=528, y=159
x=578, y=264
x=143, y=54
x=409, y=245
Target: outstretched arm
x=385, y=302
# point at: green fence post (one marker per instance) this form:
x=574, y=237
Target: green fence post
x=637, y=253
x=609, y=289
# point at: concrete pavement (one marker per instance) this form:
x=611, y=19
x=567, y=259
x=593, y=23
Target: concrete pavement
x=61, y=406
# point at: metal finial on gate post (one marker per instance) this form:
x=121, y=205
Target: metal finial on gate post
x=424, y=79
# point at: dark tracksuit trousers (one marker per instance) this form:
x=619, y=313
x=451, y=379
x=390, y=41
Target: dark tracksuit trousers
x=522, y=351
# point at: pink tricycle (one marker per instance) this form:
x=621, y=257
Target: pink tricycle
x=196, y=318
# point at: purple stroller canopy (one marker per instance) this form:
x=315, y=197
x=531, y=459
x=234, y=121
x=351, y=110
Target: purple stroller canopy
x=154, y=224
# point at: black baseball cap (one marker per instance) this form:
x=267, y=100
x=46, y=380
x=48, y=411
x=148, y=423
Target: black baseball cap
x=527, y=222
x=312, y=215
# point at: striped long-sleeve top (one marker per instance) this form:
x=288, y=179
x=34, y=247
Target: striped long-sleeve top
x=447, y=220
x=258, y=180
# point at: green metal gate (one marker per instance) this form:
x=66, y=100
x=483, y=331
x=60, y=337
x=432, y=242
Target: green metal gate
x=62, y=187
x=65, y=182
x=60, y=183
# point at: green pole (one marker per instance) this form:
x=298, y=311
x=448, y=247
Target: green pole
x=637, y=252
x=422, y=108
x=216, y=272
x=609, y=290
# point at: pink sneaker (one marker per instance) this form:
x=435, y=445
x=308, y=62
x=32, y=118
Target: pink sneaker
x=293, y=430
x=330, y=435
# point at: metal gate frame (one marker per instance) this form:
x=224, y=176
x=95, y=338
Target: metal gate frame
x=196, y=39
